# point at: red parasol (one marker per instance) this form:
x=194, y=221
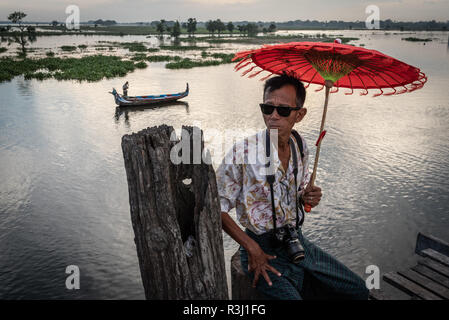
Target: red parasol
x=332, y=65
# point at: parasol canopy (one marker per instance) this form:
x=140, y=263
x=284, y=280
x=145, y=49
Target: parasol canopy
x=332, y=65
x=346, y=66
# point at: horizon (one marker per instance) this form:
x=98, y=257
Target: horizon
x=233, y=21
x=141, y=11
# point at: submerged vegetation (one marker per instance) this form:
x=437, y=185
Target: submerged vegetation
x=182, y=48
x=68, y=48
x=413, y=39
x=93, y=66
x=162, y=58
x=90, y=68
x=187, y=63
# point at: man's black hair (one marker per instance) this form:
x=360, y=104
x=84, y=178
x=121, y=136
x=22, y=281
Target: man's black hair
x=278, y=82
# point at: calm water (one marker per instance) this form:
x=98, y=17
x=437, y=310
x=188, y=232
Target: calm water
x=384, y=168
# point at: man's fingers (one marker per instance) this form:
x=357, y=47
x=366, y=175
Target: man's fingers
x=256, y=278
x=267, y=278
x=314, y=194
x=273, y=269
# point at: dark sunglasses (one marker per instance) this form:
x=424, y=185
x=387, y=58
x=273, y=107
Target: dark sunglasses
x=282, y=111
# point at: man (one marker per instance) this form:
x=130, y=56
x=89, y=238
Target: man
x=244, y=186
x=125, y=89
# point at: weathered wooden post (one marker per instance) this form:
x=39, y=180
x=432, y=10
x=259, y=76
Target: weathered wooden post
x=241, y=284
x=175, y=213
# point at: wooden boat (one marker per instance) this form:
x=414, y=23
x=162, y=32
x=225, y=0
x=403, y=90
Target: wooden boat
x=124, y=101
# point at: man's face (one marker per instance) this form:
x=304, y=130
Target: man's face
x=283, y=97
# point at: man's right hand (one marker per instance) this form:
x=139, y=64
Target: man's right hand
x=258, y=263
x=257, y=259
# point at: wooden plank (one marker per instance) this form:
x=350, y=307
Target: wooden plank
x=435, y=266
x=377, y=294
x=424, y=282
x=433, y=275
x=424, y=242
x=409, y=287
x=434, y=255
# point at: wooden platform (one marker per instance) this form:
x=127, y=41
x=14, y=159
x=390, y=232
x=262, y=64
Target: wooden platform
x=429, y=279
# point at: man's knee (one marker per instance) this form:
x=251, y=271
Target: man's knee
x=358, y=291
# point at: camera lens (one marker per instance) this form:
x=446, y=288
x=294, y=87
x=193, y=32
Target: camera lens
x=295, y=250
x=298, y=257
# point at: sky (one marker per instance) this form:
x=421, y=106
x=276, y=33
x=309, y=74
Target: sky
x=228, y=10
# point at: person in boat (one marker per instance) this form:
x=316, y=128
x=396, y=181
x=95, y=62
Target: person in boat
x=267, y=205
x=125, y=89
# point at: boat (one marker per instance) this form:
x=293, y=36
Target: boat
x=123, y=101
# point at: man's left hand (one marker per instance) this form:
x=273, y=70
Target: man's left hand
x=312, y=195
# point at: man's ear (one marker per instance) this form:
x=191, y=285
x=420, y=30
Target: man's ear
x=301, y=114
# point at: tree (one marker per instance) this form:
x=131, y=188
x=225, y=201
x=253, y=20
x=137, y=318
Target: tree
x=242, y=29
x=220, y=26
x=161, y=27
x=17, y=18
x=211, y=26
x=272, y=28
x=252, y=29
x=191, y=26
x=176, y=30
x=54, y=23
x=230, y=26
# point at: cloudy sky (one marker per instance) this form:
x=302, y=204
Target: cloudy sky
x=253, y=10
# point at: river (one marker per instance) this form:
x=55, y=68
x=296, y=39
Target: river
x=384, y=167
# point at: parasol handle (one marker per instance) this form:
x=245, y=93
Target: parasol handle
x=328, y=85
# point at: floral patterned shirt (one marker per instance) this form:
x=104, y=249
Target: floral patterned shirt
x=242, y=184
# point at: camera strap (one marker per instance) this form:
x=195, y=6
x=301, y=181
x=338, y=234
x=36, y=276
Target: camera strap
x=271, y=177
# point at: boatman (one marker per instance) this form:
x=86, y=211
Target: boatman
x=125, y=89
x=280, y=261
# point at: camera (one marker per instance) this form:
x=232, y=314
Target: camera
x=288, y=236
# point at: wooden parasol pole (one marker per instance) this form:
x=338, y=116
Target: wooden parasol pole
x=329, y=84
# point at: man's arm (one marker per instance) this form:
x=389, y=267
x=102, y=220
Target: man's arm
x=257, y=259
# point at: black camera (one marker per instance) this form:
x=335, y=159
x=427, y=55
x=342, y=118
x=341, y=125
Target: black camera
x=288, y=236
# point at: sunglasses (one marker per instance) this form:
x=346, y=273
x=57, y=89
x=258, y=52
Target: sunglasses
x=282, y=111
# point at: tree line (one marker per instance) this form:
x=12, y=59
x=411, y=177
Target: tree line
x=212, y=26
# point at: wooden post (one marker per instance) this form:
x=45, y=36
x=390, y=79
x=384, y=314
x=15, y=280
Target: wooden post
x=172, y=205
x=241, y=284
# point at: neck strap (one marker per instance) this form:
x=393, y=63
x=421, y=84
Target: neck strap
x=271, y=177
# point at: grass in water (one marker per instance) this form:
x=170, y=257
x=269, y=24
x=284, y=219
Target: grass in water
x=413, y=39
x=181, y=48
x=140, y=65
x=133, y=46
x=90, y=68
x=139, y=57
x=162, y=58
x=68, y=48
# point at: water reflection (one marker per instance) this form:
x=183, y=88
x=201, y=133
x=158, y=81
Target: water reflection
x=134, y=109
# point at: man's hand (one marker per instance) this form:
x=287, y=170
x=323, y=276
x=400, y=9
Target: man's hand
x=312, y=195
x=258, y=263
